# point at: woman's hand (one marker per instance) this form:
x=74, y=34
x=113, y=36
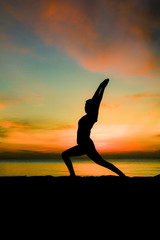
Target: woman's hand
x=105, y=82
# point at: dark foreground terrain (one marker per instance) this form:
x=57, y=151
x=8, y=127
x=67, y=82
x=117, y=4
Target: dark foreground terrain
x=70, y=181
x=89, y=185
x=83, y=199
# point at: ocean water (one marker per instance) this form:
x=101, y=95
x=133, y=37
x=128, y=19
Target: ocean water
x=131, y=167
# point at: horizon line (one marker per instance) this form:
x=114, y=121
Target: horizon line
x=26, y=154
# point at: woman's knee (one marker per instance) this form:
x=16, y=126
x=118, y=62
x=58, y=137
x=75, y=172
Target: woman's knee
x=64, y=154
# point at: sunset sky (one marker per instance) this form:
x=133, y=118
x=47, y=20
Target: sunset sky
x=53, y=56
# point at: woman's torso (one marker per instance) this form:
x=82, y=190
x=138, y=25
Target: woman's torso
x=84, y=129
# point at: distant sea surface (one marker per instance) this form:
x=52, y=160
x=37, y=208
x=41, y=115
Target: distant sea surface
x=131, y=167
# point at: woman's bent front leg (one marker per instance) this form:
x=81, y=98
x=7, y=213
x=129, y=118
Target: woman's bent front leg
x=68, y=163
x=75, y=151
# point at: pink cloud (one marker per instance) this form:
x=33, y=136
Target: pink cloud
x=114, y=105
x=15, y=124
x=108, y=37
x=143, y=95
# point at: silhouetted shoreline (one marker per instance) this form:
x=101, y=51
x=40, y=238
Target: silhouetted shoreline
x=79, y=181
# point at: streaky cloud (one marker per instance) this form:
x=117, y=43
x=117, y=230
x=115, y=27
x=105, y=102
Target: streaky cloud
x=144, y=95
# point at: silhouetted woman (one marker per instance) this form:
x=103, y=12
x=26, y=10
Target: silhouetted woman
x=85, y=144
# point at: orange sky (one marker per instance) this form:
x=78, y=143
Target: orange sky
x=54, y=56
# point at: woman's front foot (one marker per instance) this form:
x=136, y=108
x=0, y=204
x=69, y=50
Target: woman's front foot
x=73, y=175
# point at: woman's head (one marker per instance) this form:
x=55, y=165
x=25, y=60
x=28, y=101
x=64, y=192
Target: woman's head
x=89, y=106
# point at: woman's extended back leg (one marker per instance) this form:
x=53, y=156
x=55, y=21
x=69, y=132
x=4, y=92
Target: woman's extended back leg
x=74, y=151
x=94, y=155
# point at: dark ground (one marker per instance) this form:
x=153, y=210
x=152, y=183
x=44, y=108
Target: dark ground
x=64, y=203
x=81, y=185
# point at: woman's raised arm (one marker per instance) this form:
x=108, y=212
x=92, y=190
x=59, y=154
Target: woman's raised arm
x=99, y=92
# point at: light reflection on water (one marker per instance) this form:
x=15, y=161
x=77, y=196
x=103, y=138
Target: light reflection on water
x=82, y=168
